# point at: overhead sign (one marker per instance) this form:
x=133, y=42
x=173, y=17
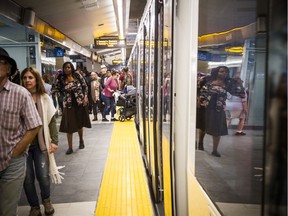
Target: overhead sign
x=206, y=56
x=117, y=61
x=59, y=52
x=56, y=52
x=104, y=43
x=77, y=58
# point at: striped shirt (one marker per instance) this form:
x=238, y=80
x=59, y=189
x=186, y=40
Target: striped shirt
x=17, y=115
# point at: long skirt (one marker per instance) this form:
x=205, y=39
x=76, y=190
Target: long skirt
x=215, y=122
x=74, y=119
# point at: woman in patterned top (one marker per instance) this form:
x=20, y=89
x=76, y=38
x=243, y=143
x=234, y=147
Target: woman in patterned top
x=213, y=97
x=75, y=110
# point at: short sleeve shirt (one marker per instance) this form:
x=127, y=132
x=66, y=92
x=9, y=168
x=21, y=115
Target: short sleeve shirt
x=17, y=115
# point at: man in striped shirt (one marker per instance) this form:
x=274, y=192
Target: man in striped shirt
x=19, y=124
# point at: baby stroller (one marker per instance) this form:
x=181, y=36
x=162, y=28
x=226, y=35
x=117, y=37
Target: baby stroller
x=127, y=102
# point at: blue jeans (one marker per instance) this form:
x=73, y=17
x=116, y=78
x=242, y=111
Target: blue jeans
x=11, y=184
x=109, y=105
x=39, y=160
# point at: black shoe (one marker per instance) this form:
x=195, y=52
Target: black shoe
x=105, y=120
x=200, y=146
x=240, y=133
x=69, y=151
x=81, y=145
x=216, y=154
x=114, y=119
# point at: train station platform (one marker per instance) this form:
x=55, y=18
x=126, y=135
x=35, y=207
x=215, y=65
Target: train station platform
x=105, y=178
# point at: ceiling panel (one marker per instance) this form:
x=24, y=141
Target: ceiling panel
x=82, y=25
x=72, y=19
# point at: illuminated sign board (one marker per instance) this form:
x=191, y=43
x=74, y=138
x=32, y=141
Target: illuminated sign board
x=105, y=43
x=206, y=56
x=56, y=52
x=117, y=61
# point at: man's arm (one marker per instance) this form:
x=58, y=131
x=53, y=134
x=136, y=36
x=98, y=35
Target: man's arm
x=25, y=141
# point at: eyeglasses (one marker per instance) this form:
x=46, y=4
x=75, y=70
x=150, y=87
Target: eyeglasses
x=3, y=61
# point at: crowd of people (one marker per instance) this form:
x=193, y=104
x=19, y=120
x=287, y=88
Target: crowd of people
x=100, y=85
x=30, y=104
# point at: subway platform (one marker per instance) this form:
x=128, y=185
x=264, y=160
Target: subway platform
x=105, y=178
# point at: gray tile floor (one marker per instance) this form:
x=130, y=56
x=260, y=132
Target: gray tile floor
x=78, y=194
x=236, y=175
x=233, y=181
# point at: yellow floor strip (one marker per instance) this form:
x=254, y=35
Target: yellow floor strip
x=124, y=189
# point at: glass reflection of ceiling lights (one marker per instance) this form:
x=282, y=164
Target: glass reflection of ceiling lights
x=234, y=50
x=228, y=63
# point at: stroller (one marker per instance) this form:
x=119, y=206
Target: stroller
x=127, y=102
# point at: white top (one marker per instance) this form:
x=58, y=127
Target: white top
x=234, y=103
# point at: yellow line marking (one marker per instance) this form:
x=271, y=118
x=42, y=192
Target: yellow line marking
x=124, y=189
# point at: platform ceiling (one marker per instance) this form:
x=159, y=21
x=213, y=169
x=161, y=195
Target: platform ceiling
x=84, y=20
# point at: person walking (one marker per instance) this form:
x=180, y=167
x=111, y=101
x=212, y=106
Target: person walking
x=20, y=123
x=75, y=114
x=41, y=162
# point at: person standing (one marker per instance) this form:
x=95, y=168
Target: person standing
x=95, y=85
x=20, y=123
x=46, y=83
x=102, y=76
x=41, y=162
x=75, y=114
x=237, y=107
x=213, y=97
x=88, y=82
x=125, y=79
x=202, y=79
x=111, y=85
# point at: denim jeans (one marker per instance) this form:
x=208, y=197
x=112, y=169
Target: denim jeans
x=11, y=185
x=38, y=160
x=109, y=105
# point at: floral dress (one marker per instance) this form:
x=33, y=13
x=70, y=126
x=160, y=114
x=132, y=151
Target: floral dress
x=213, y=98
x=75, y=115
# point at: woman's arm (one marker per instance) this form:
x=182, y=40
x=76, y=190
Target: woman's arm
x=54, y=135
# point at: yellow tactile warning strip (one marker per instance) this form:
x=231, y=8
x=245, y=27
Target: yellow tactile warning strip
x=167, y=177
x=124, y=188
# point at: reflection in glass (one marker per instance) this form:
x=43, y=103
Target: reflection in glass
x=227, y=38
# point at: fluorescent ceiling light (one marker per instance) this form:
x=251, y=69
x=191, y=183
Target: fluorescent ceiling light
x=120, y=18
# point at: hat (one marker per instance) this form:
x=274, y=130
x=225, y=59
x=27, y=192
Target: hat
x=11, y=61
x=103, y=66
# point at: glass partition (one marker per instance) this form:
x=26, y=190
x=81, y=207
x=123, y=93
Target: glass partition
x=230, y=121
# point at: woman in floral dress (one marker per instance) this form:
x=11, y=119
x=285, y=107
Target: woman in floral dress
x=75, y=104
x=213, y=96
